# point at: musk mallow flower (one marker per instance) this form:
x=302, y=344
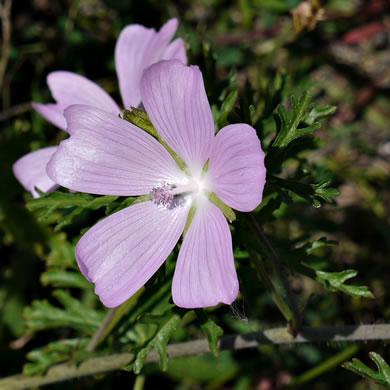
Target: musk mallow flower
x=137, y=48
x=110, y=156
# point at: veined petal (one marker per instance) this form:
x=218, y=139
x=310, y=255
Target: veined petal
x=137, y=48
x=176, y=50
x=123, y=251
x=237, y=167
x=205, y=274
x=176, y=102
x=30, y=170
x=69, y=88
x=54, y=113
x=109, y=156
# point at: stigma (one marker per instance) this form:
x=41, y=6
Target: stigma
x=170, y=195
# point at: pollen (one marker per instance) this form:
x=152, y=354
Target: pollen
x=163, y=196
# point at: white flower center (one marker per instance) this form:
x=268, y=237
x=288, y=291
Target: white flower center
x=172, y=195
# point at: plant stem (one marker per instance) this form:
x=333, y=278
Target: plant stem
x=139, y=382
x=5, y=11
x=100, y=365
x=297, y=320
x=278, y=299
x=325, y=366
x=102, y=329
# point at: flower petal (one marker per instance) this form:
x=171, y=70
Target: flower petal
x=69, y=88
x=176, y=102
x=137, y=48
x=54, y=113
x=123, y=251
x=109, y=156
x=205, y=273
x=237, y=167
x=30, y=170
x=176, y=50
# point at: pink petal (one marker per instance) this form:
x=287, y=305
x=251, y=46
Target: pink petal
x=137, y=48
x=54, y=113
x=69, y=88
x=237, y=167
x=123, y=251
x=30, y=170
x=176, y=102
x=176, y=50
x=205, y=273
x=109, y=156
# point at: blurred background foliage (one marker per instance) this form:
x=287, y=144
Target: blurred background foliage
x=251, y=52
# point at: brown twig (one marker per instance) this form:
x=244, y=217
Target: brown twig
x=5, y=11
x=15, y=110
x=100, y=365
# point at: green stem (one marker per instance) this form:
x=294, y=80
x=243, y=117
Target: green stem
x=325, y=366
x=139, y=382
x=277, y=298
x=297, y=320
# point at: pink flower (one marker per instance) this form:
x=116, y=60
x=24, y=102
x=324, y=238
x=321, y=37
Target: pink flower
x=137, y=48
x=107, y=155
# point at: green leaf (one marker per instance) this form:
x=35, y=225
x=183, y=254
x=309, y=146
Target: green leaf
x=62, y=200
x=269, y=204
x=322, y=242
x=140, y=119
x=311, y=192
x=382, y=376
x=319, y=113
x=212, y=330
x=290, y=121
x=167, y=324
x=227, y=211
x=62, y=278
x=43, y=315
x=48, y=204
x=334, y=281
x=227, y=108
x=300, y=121
x=62, y=253
x=59, y=351
x=115, y=206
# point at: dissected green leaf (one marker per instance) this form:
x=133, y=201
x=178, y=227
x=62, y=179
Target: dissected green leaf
x=226, y=109
x=318, y=113
x=167, y=324
x=311, y=192
x=59, y=351
x=62, y=278
x=61, y=200
x=115, y=206
x=334, y=281
x=300, y=121
x=291, y=120
x=75, y=203
x=322, y=242
x=212, y=330
x=305, y=261
x=382, y=376
x=43, y=315
x=269, y=204
x=62, y=252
